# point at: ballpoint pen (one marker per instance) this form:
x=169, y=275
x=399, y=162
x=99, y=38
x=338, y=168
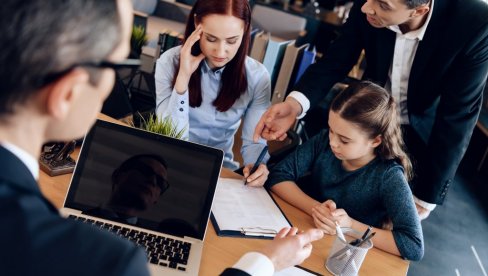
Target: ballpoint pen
x=343, y=250
x=357, y=241
x=256, y=165
x=366, y=232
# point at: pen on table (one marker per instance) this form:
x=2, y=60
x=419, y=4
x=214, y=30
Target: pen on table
x=256, y=165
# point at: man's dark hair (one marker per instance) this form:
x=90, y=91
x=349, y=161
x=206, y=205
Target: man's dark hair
x=412, y=4
x=43, y=37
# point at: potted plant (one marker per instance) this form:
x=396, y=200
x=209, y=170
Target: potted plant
x=165, y=126
x=137, y=40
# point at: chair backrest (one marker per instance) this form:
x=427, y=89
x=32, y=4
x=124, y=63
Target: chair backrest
x=279, y=23
x=279, y=150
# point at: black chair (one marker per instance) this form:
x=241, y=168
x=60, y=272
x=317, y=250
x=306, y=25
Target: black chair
x=117, y=105
x=278, y=150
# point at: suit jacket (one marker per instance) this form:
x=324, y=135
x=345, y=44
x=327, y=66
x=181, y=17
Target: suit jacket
x=445, y=87
x=35, y=240
x=233, y=272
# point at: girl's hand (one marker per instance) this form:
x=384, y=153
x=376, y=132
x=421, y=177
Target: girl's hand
x=342, y=218
x=322, y=217
x=188, y=62
x=258, y=178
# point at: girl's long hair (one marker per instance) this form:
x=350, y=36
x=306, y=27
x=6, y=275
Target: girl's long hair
x=373, y=109
x=234, y=79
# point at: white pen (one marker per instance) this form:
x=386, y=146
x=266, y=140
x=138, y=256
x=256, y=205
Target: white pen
x=339, y=232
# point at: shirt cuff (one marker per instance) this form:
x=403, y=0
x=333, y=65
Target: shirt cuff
x=255, y=264
x=426, y=205
x=302, y=100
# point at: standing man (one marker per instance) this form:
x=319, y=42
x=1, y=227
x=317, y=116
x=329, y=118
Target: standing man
x=432, y=55
x=57, y=59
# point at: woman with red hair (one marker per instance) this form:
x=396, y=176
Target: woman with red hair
x=209, y=84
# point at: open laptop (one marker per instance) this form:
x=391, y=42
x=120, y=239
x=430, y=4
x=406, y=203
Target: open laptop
x=151, y=189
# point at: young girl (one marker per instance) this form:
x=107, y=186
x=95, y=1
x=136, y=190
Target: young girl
x=209, y=84
x=355, y=179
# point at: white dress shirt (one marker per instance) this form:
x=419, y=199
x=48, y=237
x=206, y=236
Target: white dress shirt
x=29, y=161
x=406, y=45
x=255, y=264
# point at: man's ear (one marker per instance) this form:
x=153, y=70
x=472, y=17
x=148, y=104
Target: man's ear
x=61, y=93
x=421, y=10
x=377, y=141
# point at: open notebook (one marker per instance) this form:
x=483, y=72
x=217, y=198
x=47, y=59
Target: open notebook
x=153, y=190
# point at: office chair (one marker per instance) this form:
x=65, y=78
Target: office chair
x=278, y=150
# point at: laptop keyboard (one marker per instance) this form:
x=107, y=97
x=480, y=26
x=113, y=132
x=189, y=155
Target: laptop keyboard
x=161, y=251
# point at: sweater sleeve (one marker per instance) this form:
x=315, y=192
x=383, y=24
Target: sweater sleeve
x=298, y=163
x=398, y=201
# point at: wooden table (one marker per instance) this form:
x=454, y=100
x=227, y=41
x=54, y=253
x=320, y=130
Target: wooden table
x=222, y=252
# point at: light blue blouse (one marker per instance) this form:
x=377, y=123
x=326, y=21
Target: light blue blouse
x=204, y=124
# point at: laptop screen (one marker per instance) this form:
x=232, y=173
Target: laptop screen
x=147, y=180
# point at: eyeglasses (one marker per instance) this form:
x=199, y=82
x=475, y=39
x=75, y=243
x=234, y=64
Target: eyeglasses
x=146, y=170
x=128, y=63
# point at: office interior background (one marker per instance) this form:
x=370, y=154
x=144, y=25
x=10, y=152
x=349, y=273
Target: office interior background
x=455, y=234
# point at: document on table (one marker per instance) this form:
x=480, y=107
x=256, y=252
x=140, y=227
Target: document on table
x=241, y=210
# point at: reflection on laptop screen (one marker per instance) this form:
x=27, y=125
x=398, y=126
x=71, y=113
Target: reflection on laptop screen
x=144, y=179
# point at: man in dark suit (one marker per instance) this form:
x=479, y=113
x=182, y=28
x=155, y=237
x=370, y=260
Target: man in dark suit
x=432, y=56
x=57, y=60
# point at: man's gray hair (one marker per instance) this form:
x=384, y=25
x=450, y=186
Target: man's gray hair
x=42, y=37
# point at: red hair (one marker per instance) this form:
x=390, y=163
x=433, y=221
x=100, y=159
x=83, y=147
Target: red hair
x=234, y=79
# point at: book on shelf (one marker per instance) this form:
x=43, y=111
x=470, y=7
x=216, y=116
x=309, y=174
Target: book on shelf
x=259, y=46
x=273, y=57
x=308, y=58
x=254, y=32
x=289, y=66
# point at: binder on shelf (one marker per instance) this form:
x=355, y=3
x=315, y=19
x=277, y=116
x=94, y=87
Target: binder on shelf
x=273, y=57
x=259, y=46
x=290, y=63
x=308, y=58
x=254, y=32
x=239, y=210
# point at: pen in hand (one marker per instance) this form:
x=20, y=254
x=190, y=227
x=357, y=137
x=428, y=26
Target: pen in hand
x=258, y=162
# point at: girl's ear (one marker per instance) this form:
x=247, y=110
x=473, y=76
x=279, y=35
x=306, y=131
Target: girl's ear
x=377, y=141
